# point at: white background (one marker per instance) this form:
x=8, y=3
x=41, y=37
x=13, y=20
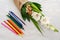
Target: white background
x=51, y=8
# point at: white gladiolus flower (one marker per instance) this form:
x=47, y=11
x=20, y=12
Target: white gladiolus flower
x=44, y=21
x=36, y=16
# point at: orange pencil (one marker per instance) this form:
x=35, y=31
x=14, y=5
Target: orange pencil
x=15, y=26
x=12, y=27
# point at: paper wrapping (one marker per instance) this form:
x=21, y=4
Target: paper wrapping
x=19, y=3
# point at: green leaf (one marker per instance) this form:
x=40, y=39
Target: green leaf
x=23, y=12
x=37, y=5
x=36, y=24
x=28, y=18
x=34, y=8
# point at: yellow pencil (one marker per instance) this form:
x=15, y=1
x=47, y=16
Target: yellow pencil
x=13, y=28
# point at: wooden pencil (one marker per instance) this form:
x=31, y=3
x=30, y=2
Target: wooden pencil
x=15, y=26
x=15, y=21
x=6, y=26
x=17, y=17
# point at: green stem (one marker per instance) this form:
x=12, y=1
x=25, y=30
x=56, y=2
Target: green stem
x=53, y=28
x=36, y=24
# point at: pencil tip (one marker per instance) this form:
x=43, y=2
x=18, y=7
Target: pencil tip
x=23, y=28
x=21, y=35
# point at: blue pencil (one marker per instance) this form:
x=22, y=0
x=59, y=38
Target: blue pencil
x=16, y=19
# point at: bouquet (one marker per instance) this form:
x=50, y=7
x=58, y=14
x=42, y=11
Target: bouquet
x=32, y=11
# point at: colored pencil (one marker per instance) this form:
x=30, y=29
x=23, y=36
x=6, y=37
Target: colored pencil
x=12, y=27
x=15, y=21
x=15, y=26
x=11, y=14
x=6, y=26
x=17, y=17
